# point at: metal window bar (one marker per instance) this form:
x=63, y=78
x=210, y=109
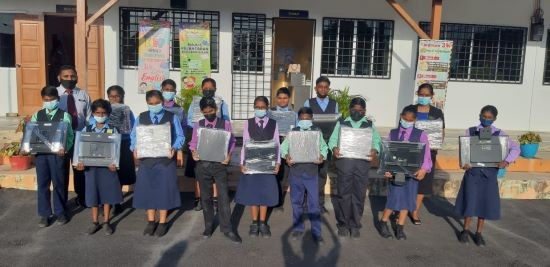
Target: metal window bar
x=129, y=18
x=546, y=76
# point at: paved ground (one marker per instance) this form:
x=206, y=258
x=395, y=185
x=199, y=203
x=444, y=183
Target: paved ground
x=521, y=238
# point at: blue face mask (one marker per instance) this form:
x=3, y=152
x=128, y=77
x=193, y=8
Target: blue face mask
x=485, y=122
x=155, y=109
x=100, y=119
x=168, y=96
x=305, y=124
x=424, y=100
x=51, y=105
x=260, y=113
x=406, y=124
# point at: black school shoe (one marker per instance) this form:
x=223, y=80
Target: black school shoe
x=161, y=230
x=400, y=233
x=233, y=237
x=343, y=232
x=93, y=228
x=44, y=222
x=464, y=237
x=254, y=230
x=384, y=229
x=198, y=204
x=62, y=219
x=108, y=228
x=150, y=228
x=207, y=234
x=264, y=230
x=355, y=234
x=478, y=239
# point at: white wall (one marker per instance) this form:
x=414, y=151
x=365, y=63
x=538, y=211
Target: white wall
x=8, y=85
x=522, y=106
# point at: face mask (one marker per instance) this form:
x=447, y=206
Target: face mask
x=51, y=105
x=100, y=119
x=406, y=124
x=424, y=100
x=485, y=122
x=260, y=113
x=168, y=96
x=356, y=115
x=305, y=124
x=208, y=93
x=68, y=84
x=210, y=117
x=155, y=109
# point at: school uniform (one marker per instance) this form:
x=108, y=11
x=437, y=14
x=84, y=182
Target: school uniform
x=258, y=189
x=403, y=197
x=102, y=184
x=282, y=175
x=157, y=182
x=208, y=173
x=353, y=175
x=190, y=163
x=51, y=168
x=323, y=106
x=304, y=177
x=479, y=194
x=425, y=186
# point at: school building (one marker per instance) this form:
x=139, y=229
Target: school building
x=364, y=44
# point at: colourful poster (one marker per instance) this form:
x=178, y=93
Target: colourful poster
x=153, y=54
x=194, y=53
x=434, y=61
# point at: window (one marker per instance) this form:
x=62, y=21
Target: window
x=546, y=78
x=129, y=32
x=7, y=41
x=485, y=53
x=357, y=48
x=248, y=42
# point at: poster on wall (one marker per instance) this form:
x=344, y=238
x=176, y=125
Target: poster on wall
x=434, y=61
x=153, y=54
x=194, y=53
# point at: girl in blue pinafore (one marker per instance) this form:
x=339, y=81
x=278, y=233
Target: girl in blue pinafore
x=259, y=191
x=102, y=184
x=402, y=198
x=479, y=193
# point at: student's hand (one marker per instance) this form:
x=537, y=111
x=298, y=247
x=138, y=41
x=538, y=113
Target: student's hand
x=80, y=166
x=466, y=167
x=289, y=160
x=112, y=167
x=388, y=175
x=61, y=152
x=277, y=167
x=136, y=160
x=503, y=164
x=373, y=154
x=320, y=161
x=226, y=161
x=336, y=152
x=195, y=155
x=243, y=169
x=420, y=174
x=179, y=159
x=172, y=152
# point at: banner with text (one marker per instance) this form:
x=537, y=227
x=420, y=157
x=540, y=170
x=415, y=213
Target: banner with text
x=194, y=53
x=434, y=61
x=153, y=54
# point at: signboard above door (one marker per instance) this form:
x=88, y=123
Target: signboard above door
x=287, y=13
x=65, y=8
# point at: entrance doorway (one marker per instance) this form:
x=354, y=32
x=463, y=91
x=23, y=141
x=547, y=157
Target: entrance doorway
x=293, y=58
x=59, y=41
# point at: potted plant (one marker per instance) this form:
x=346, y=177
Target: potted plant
x=343, y=98
x=18, y=162
x=529, y=144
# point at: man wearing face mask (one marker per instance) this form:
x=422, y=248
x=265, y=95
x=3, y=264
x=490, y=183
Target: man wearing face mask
x=76, y=102
x=322, y=104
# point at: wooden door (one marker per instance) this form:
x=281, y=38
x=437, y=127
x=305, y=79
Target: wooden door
x=95, y=61
x=30, y=62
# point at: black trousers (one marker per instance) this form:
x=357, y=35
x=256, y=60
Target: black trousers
x=323, y=173
x=208, y=173
x=351, y=186
x=79, y=182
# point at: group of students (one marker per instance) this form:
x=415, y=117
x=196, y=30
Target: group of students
x=156, y=183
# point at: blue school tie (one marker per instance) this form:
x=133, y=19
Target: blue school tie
x=155, y=120
x=402, y=136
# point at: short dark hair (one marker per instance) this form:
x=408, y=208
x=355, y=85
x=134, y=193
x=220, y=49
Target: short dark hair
x=492, y=109
x=283, y=90
x=49, y=91
x=207, y=102
x=66, y=67
x=409, y=109
x=116, y=88
x=154, y=93
x=322, y=79
x=101, y=103
x=426, y=86
x=263, y=99
x=168, y=82
x=208, y=80
x=305, y=110
x=358, y=101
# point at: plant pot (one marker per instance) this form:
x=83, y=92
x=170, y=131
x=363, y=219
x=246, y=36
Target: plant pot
x=529, y=150
x=20, y=163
